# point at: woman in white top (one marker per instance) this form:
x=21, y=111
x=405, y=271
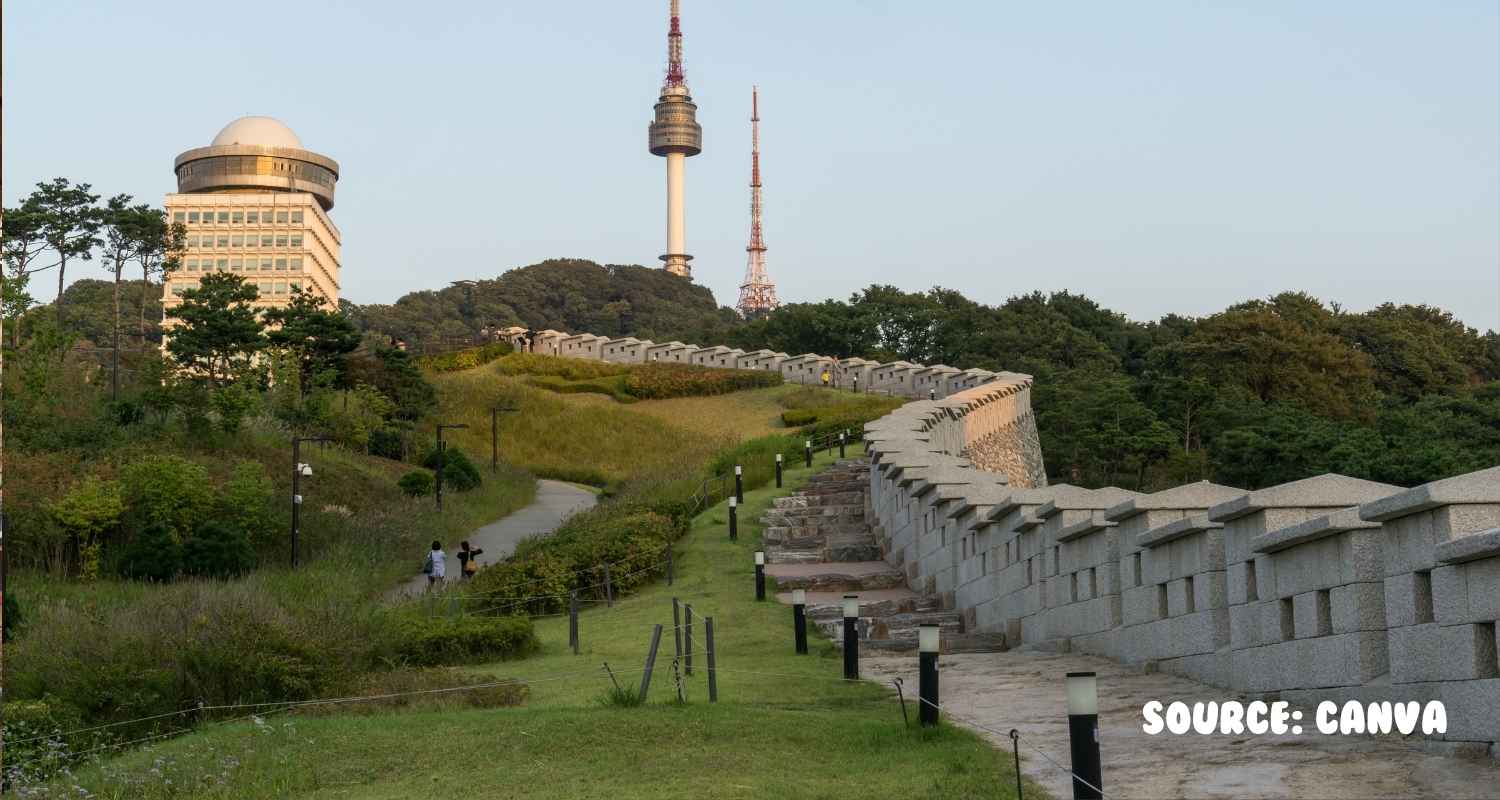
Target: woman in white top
x=436, y=564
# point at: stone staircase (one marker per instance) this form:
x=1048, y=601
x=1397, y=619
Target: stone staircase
x=818, y=540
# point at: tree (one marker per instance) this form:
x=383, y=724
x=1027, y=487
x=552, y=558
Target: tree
x=23, y=244
x=220, y=332
x=70, y=223
x=318, y=337
x=160, y=254
x=88, y=512
x=128, y=232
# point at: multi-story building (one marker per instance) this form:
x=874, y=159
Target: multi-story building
x=256, y=203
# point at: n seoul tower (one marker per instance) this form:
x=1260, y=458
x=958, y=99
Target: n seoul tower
x=676, y=134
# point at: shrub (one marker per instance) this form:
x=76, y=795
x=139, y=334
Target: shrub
x=166, y=491
x=434, y=641
x=459, y=473
x=387, y=443
x=417, y=483
x=217, y=550
x=152, y=555
x=658, y=381
x=570, y=369
x=245, y=503
x=32, y=731
x=465, y=359
x=611, y=386
x=12, y=611
x=620, y=697
x=88, y=512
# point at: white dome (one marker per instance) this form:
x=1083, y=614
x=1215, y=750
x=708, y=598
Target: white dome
x=263, y=131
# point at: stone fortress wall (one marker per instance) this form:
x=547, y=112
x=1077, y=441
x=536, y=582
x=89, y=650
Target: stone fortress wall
x=1327, y=588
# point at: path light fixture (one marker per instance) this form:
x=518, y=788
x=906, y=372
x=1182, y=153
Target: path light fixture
x=851, y=637
x=300, y=470
x=799, y=619
x=760, y=575
x=927, y=645
x=442, y=454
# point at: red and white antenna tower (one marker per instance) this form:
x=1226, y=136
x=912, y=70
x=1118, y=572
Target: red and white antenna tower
x=675, y=76
x=757, y=293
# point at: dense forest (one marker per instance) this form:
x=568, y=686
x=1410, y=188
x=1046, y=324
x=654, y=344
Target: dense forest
x=1265, y=391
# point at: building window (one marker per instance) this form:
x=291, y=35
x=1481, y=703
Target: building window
x=280, y=265
x=236, y=241
x=281, y=241
x=252, y=217
x=250, y=265
x=235, y=265
x=191, y=265
x=297, y=264
x=297, y=241
x=265, y=265
x=223, y=217
x=223, y=264
x=237, y=217
x=250, y=240
x=296, y=216
x=180, y=216
x=264, y=287
x=207, y=241
x=281, y=287
x=192, y=216
x=281, y=216
x=192, y=241
x=223, y=241
x=267, y=241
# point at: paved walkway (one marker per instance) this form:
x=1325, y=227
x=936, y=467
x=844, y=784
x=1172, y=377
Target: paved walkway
x=1024, y=690
x=555, y=501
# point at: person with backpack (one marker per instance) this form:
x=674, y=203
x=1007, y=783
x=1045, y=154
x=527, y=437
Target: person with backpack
x=435, y=568
x=468, y=559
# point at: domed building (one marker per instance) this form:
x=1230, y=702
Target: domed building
x=255, y=203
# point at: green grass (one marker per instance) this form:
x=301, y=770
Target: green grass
x=786, y=725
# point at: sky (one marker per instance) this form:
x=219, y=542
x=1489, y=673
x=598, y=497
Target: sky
x=1166, y=157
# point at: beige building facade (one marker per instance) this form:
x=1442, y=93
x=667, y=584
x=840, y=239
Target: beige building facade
x=255, y=203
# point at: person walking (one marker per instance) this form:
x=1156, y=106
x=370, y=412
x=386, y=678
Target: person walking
x=468, y=559
x=436, y=566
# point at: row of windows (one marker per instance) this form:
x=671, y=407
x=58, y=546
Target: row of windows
x=256, y=165
x=226, y=240
x=235, y=217
x=264, y=287
x=246, y=265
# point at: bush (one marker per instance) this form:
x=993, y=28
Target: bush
x=620, y=697
x=245, y=504
x=569, y=369
x=166, y=491
x=658, y=381
x=152, y=555
x=217, y=550
x=32, y=732
x=12, y=611
x=465, y=359
x=387, y=443
x=459, y=473
x=611, y=386
x=417, y=483
x=435, y=641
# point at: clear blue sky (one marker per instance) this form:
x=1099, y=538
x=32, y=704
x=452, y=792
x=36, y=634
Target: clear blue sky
x=1156, y=156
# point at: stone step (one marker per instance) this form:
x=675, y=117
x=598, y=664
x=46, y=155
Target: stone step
x=832, y=510
x=847, y=576
x=822, y=499
x=781, y=534
x=776, y=555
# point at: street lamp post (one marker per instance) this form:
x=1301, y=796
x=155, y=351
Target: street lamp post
x=299, y=469
x=443, y=458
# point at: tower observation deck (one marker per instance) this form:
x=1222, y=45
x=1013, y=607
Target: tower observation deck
x=675, y=134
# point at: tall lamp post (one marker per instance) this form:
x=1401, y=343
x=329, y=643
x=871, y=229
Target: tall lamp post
x=495, y=435
x=443, y=458
x=299, y=470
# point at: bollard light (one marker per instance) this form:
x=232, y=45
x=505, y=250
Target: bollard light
x=799, y=597
x=927, y=689
x=851, y=637
x=778, y=470
x=1083, y=735
x=760, y=558
x=738, y=470
x=799, y=620
x=760, y=575
x=778, y=458
x=734, y=520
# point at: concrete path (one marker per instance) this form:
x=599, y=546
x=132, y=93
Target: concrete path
x=1024, y=690
x=555, y=501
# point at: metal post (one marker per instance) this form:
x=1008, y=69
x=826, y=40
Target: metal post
x=739, y=484
x=760, y=575
x=807, y=451
x=778, y=470
x=573, y=621
x=1015, y=748
x=851, y=637
x=609, y=589
x=932, y=394
x=677, y=627
x=1083, y=735
x=799, y=620
x=494, y=440
x=927, y=687
x=713, y=675
x=734, y=520
x=687, y=639
x=296, y=494
x=650, y=661
x=842, y=435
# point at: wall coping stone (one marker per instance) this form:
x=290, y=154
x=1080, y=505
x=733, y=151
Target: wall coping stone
x=1475, y=487
x=983, y=495
x=1485, y=544
x=1340, y=521
x=1023, y=497
x=1200, y=495
x=1079, y=530
x=1331, y=491
x=1175, y=530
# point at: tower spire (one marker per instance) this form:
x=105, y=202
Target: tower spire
x=757, y=293
x=675, y=75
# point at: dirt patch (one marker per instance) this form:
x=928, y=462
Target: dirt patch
x=1001, y=691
